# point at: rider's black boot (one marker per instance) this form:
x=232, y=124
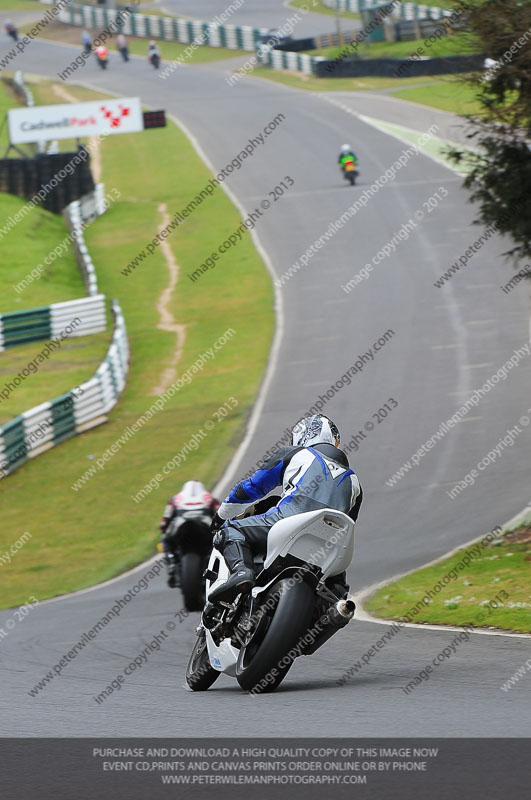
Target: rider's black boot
x=241, y=580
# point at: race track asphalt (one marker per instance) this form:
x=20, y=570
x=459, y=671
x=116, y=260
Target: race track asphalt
x=259, y=14
x=446, y=342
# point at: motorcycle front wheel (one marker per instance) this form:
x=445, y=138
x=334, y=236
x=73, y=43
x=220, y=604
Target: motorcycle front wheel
x=199, y=674
x=267, y=656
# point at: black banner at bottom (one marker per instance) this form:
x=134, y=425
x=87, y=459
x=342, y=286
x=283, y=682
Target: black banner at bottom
x=137, y=769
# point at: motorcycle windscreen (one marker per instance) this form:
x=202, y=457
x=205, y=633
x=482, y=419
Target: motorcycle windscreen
x=324, y=538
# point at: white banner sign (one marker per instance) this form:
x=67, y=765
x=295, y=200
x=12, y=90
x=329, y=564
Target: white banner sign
x=75, y=120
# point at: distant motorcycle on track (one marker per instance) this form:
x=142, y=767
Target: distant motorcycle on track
x=11, y=31
x=187, y=541
x=102, y=57
x=348, y=163
x=350, y=172
x=153, y=55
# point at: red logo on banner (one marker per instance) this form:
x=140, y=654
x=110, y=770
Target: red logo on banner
x=115, y=117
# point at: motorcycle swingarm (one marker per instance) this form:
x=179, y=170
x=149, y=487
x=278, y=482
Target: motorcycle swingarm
x=300, y=574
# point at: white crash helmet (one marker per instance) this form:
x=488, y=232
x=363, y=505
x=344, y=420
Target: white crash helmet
x=193, y=495
x=345, y=148
x=317, y=429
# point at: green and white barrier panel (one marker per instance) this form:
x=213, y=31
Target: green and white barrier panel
x=22, y=90
x=26, y=94
x=92, y=205
x=282, y=59
x=412, y=11
x=43, y=427
x=76, y=215
x=405, y=11
x=48, y=322
x=209, y=34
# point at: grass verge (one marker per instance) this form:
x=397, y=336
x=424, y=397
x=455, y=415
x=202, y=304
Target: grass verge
x=316, y=7
x=445, y=92
x=22, y=250
x=451, y=95
x=298, y=80
x=458, y=44
x=85, y=536
x=493, y=590
x=439, y=3
x=8, y=99
x=19, y=5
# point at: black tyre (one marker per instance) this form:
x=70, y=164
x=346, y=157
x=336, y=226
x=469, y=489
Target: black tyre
x=265, y=660
x=199, y=674
x=352, y=178
x=192, y=581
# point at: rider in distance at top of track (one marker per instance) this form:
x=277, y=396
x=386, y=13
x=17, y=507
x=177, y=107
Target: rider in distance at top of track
x=346, y=154
x=312, y=474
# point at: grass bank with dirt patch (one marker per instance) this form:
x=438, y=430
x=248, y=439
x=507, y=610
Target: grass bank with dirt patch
x=83, y=536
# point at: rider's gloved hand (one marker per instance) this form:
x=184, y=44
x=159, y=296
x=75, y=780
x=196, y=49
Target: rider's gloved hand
x=216, y=523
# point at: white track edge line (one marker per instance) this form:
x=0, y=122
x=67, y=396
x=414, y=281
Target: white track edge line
x=372, y=121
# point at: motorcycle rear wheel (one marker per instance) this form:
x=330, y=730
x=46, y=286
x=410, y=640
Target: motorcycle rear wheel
x=192, y=581
x=264, y=661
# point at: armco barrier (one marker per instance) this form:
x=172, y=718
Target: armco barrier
x=45, y=426
x=21, y=327
x=22, y=90
x=280, y=59
x=403, y=11
x=233, y=36
x=38, y=324
x=209, y=34
x=392, y=67
x=76, y=215
x=26, y=95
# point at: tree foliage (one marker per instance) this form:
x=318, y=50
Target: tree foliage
x=500, y=163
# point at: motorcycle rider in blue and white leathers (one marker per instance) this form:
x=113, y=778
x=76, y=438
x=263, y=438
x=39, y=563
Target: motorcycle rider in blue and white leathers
x=313, y=473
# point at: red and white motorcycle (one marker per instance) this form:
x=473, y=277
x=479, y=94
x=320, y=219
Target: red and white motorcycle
x=187, y=541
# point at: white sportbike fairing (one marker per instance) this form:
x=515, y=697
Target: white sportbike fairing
x=290, y=611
